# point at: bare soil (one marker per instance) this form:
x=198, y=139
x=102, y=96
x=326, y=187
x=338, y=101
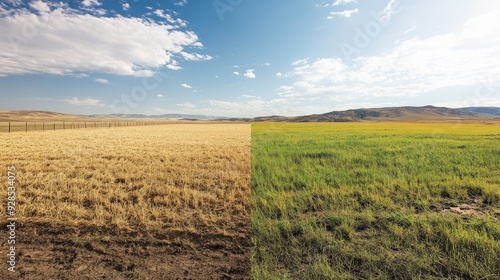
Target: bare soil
x=46, y=251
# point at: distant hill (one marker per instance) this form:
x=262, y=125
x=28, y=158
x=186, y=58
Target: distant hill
x=390, y=113
x=31, y=116
x=37, y=116
x=483, y=110
x=164, y=116
x=406, y=113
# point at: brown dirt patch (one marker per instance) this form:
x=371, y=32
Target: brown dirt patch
x=49, y=252
x=471, y=208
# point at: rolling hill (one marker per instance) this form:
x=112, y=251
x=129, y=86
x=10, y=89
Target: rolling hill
x=406, y=113
x=483, y=110
x=36, y=116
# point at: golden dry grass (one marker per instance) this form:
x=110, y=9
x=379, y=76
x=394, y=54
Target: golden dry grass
x=186, y=177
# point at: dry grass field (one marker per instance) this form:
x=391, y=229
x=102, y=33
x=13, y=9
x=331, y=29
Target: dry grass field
x=154, y=202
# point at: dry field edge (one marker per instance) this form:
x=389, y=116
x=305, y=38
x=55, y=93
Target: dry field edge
x=148, y=202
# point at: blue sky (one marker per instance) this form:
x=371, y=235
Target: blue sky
x=244, y=58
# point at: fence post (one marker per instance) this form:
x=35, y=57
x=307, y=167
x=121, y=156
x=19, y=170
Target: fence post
x=9, y=127
x=94, y=125
x=64, y=125
x=43, y=126
x=54, y=126
x=26, y=126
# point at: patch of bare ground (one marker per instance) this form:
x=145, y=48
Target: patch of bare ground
x=46, y=251
x=471, y=208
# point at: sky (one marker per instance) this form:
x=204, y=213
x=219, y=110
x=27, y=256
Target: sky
x=247, y=58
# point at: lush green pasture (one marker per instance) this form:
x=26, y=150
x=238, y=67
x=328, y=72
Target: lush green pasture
x=375, y=201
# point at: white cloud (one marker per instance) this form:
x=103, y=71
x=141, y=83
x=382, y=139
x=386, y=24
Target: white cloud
x=335, y=3
x=300, y=62
x=185, y=86
x=181, y=3
x=15, y=2
x=279, y=74
x=66, y=42
x=89, y=3
x=126, y=6
x=413, y=67
x=160, y=95
x=250, y=74
x=266, y=64
x=346, y=13
x=391, y=8
x=342, y=2
x=251, y=106
x=285, y=90
x=174, y=65
x=97, y=12
x=249, y=96
x=102, y=81
x=84, y=102
x=195, y=56
x=410, y=29
x=236, y=73
x=228, y=105
x=40, y=6
x=187, y=105
x=169, y=18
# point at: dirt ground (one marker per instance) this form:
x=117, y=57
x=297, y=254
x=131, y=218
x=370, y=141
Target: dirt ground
x=45, y=252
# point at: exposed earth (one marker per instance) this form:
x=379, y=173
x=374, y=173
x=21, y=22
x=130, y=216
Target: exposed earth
x=44, y=251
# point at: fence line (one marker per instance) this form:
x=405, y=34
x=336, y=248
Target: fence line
x=18, y=126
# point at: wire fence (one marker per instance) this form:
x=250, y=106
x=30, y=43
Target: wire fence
x=9, y=127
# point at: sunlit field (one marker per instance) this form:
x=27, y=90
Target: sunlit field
x=177, y=183
x=375, y=201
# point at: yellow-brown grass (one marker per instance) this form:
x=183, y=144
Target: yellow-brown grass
x=187, y=177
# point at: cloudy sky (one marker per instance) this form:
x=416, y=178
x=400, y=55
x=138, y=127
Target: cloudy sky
x=247, y=57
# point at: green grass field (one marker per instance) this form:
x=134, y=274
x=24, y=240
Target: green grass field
x=375, y=201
